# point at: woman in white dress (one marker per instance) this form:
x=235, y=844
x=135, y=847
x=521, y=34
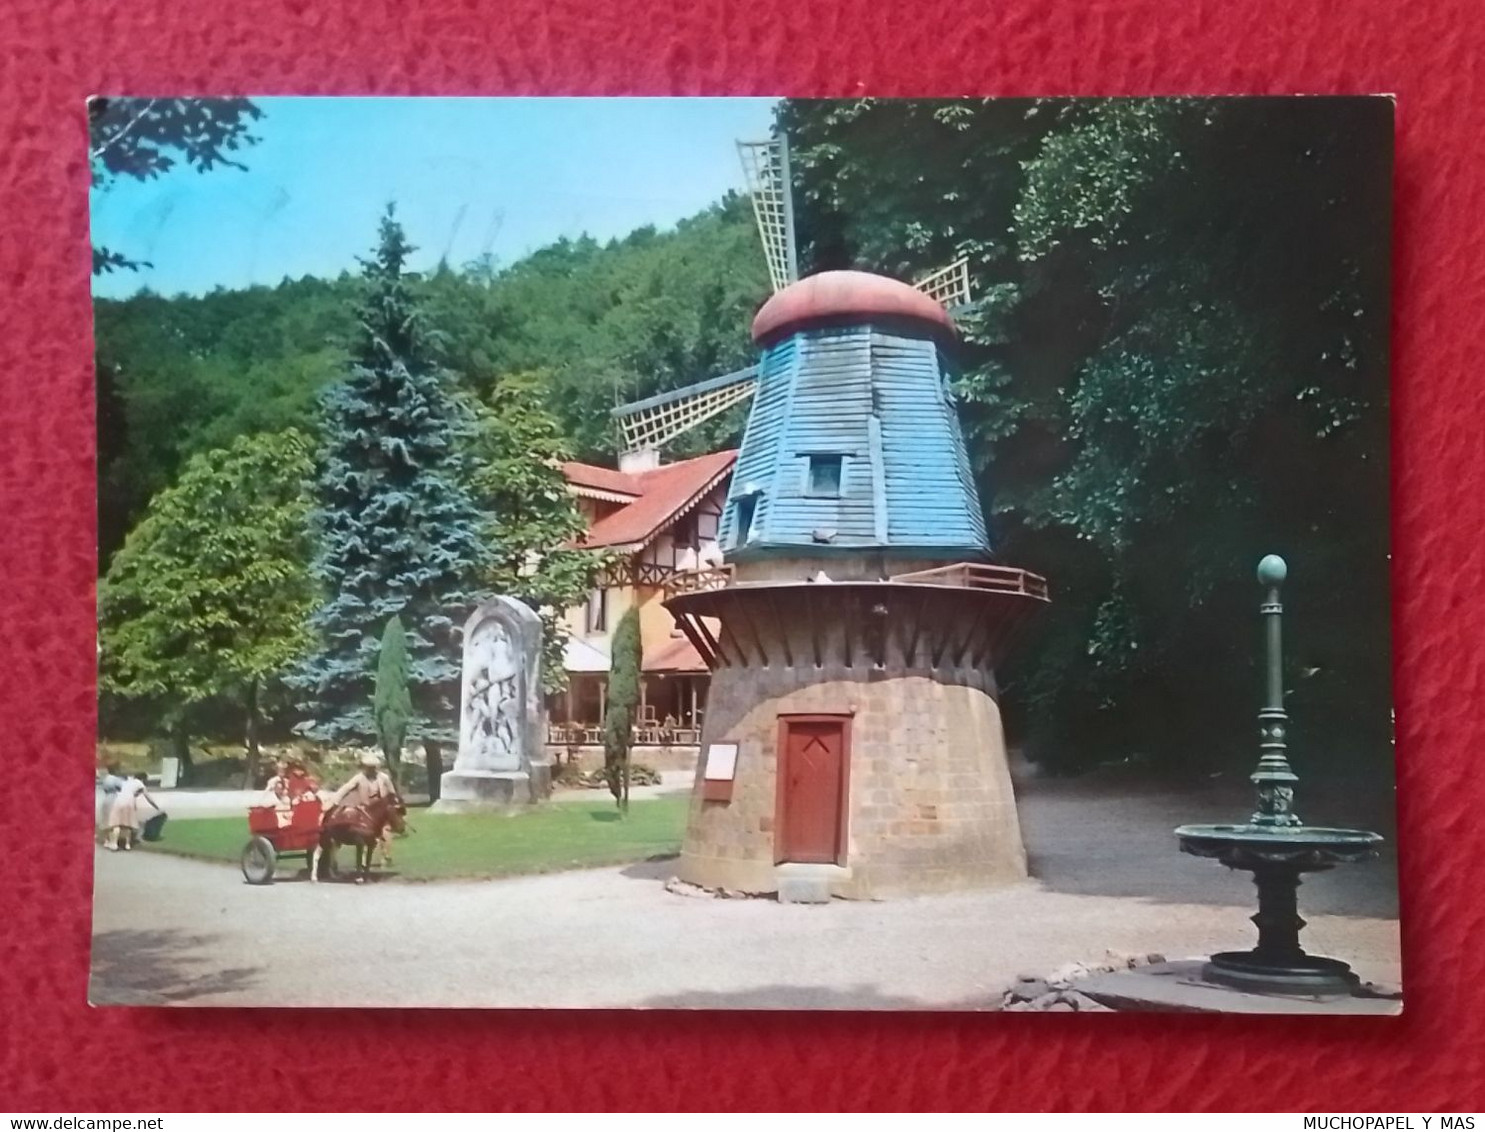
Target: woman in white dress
x=124, y=821
x=108, y=791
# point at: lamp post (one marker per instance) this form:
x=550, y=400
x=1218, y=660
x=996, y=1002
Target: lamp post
x=1275, y=845
x=1273, y=777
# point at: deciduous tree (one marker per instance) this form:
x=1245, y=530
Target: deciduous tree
x=210, y=595
x=531, y=518
x=143, y=138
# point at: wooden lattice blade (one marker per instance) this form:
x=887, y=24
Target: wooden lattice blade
x=948, y=285
x=766, y=171
x=656, y=420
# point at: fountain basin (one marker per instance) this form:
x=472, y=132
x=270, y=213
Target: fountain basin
x=1277, y=856
x=1307, y=848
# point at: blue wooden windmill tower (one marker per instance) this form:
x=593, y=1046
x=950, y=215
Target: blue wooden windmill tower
x=853, y=447
x=852, y=743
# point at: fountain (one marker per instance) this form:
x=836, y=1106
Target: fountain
x=1277, y=848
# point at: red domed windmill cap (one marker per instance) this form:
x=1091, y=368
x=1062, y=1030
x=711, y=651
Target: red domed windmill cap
x=846, y=296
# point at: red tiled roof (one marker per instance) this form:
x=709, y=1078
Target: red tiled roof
x=665, y=493
x=603, y=479
x=675, y=655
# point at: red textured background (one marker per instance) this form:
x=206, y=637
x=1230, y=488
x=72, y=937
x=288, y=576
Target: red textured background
x=57, y=1053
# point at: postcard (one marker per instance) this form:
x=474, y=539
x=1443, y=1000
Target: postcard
x=744, y=553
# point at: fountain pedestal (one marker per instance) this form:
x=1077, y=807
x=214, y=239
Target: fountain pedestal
x=1278, y=858
x=1277, y=848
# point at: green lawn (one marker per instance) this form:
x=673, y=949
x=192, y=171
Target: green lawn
x=562, y=835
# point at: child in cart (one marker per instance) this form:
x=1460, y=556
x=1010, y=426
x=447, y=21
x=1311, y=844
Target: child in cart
x=290, y=775
x=277, y=796
x=290, y=786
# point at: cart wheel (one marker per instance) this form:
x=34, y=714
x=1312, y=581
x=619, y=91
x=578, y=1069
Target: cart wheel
x=258, y=859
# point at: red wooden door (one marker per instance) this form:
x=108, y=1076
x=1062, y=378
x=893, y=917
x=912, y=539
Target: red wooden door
x=812, y=790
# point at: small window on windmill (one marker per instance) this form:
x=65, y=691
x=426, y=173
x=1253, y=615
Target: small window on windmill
x=825, y=475
x=746, y=506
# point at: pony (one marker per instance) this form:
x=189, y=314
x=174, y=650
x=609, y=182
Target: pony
x=365, y=827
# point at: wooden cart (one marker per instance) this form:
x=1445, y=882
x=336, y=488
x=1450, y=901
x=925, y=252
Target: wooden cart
x=278, y=833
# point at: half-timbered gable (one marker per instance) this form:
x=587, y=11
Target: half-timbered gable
x=654, y=523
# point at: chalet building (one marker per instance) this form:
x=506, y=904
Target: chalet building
x=656, y=520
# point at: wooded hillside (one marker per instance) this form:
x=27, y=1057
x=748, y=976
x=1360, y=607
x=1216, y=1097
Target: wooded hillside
x=600, y=324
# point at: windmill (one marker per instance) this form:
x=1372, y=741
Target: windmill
x=654, y=421
x=855, y=613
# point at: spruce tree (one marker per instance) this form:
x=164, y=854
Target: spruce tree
x=398, y=531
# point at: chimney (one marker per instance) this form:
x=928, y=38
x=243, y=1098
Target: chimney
x=639, y=460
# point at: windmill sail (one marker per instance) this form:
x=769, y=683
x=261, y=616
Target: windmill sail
x=948, y=285
x=655, y=420
x=766, y=170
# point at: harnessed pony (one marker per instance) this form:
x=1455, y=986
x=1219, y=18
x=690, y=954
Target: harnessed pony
x=364, y=827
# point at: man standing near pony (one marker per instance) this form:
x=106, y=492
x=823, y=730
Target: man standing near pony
x=366, y=787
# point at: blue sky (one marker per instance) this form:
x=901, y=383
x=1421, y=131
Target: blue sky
x=469, y=176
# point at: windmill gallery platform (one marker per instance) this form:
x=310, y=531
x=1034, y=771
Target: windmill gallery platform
x=853, y=745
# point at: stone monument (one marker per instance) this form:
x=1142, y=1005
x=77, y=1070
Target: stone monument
x=501, y=762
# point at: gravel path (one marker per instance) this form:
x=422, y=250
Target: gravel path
x=169, y=930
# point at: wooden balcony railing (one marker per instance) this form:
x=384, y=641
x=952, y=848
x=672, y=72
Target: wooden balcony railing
x=641, y=735
x=978, y=576
x=964, y=575
x=633, y=573
x=698, y=581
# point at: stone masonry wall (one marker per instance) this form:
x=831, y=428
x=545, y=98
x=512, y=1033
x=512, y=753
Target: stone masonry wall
x=930, y=804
